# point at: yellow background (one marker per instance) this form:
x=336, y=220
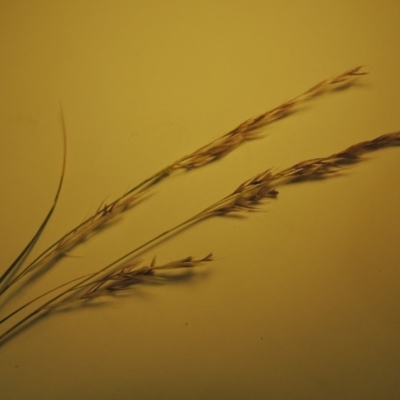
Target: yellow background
x=302, y=301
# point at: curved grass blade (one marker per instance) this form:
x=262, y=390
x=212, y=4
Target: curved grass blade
x=32, y=242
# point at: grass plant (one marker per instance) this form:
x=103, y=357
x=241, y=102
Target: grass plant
x=127, y=270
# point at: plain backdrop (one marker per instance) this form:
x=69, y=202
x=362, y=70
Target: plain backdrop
x=302, y=300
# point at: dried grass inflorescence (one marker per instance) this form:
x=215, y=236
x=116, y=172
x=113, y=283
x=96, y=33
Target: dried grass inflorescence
x=249, y=129
x=128, y=274
x=326, y=165
x=247, y=195
x=104, y=214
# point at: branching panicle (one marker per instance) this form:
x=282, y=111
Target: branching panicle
x=247, y=130
x=129, y=273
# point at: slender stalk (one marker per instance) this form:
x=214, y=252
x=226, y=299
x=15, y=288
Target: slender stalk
x=217, y=149
x=19, y=309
